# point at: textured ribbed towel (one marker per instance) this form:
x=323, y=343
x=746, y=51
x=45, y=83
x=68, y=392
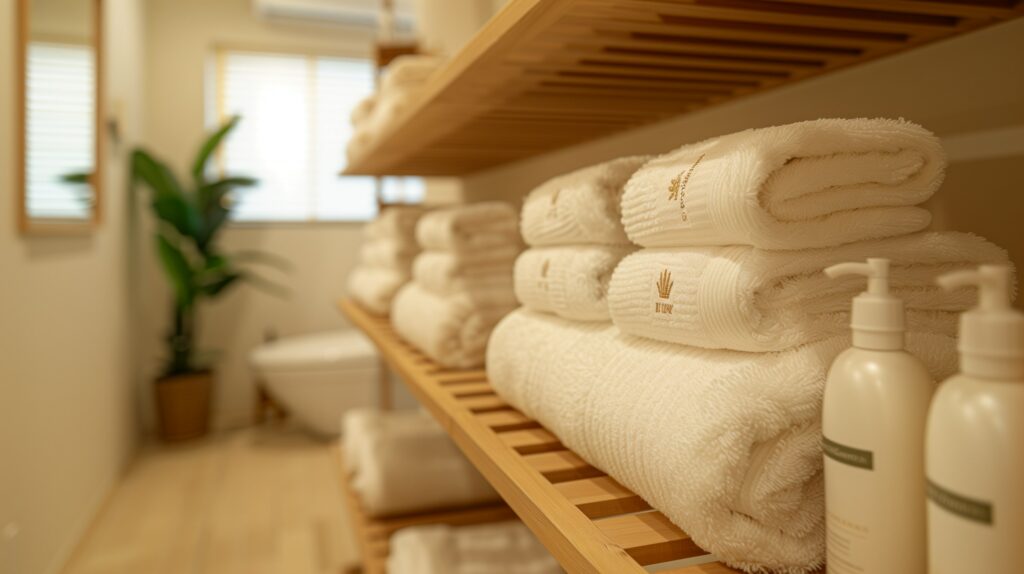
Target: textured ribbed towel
x=476, y=226
x=580, y=207
x=808, y=184
x=726, y=444
x=499, y=548
x=388, y=252
x=449, y=272
x=403, y=462
x=452, y=330
x=752, y=299
x=571, y=282
x=375, y=287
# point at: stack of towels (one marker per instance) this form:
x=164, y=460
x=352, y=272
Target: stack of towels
x=400, y=84
x=499, y=548
x=462, y=282
x=385, y=260
x=401, y=462
x=704, y=396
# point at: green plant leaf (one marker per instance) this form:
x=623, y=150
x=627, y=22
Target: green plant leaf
x=84, y=178
x=272, y=259
x=178, y=212
x=265, y=284
x=178, y=270
x=217, y=286
x=154, y=174
x=208, y=147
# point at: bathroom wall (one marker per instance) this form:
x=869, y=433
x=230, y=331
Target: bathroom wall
x=67, y=398
x=969, y=90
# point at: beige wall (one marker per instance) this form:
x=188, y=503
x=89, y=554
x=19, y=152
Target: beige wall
x=960, y=86
x=67, y=402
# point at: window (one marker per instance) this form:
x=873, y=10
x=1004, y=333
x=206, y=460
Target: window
x=292, y=137
x=60, y=123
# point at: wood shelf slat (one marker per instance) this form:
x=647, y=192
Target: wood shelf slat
x=547, y=74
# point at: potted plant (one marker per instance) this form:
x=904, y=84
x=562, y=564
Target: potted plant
x=189, y=220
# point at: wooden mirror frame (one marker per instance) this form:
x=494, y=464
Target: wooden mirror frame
x=42, y=226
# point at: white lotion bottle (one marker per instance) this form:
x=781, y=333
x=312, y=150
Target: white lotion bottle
x=873, y=425
x=975, y=441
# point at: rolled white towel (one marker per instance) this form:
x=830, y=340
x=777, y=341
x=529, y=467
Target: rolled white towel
x=751, y=299
x=375, y=287
x=471, y=227
x=726, y=444
x=580, y=207
x=388, y=252
x=395, y=222
x=404, y=462
x=408, y=71
x=450, y=272
x=571, y=282
x=809, y=184
x=452, y=330
x=362, y=111
x=497, y=548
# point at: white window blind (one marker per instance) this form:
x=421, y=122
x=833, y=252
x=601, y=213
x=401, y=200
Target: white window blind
x=60, y=129
x=292, y=137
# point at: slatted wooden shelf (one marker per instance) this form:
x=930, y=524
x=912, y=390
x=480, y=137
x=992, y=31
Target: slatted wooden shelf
x=546, y=74
x=589, y=522
x=373, y=534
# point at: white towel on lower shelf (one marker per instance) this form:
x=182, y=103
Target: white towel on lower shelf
x=375, y=287
x=470, y=227
x=809, y=184
x=404, y=462
x=498, y=548
x=580, y=207
x=388, y=252
x=726, y=444
x=452, y=330
x=751, y=299
x=448, y=272
x=571, y=282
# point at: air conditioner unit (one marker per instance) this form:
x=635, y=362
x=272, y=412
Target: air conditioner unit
x=360, y=13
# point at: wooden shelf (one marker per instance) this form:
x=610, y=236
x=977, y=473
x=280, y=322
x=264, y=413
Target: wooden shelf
x=589, y=522
x=546, y=74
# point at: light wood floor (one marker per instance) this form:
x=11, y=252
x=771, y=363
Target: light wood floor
x=257, y=501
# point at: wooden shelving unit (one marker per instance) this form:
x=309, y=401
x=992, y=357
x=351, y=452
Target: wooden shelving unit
x=589, y=522
x=546, y=74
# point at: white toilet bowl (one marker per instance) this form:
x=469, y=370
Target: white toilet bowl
x=320, y=376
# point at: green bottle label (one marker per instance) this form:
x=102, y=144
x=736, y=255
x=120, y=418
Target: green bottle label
x=962, y=506
x=847, y=454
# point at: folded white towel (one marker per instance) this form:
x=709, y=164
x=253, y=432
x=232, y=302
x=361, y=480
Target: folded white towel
x=452, y=330
x=808, y=184
x=571, y=282
x=408, y=71
x=751, y=299
x=450, y=272
x=580, y=207
x=404, y=462
x=395, y=222
x=362, y=111
x=497, y=548
x=388, y=252
x=375, y=287
x=726, y=444
x=472, y=227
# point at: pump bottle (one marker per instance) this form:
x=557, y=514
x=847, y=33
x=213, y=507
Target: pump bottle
x=975, y=440
x=873, y=423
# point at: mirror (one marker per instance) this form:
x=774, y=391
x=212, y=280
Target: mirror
x=59, y=115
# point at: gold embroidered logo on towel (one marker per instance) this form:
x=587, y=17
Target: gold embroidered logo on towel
x=677, y=187
x=664, y=285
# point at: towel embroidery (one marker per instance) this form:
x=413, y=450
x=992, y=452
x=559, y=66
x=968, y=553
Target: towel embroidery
x=664, y=286
x=677, y=187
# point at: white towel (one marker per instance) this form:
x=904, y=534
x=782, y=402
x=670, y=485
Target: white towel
x=726, y=444
x=452, y=330
x=571, y=282
x=498, y=548
x=362, y=111
x=448, y=272
x=404, y=462
x=472, y=227
x=751, y=299
x=375, y=287
x=388, y=252
x=580, y=207
x=408, y=71
x=808, y=184
x=395, y=222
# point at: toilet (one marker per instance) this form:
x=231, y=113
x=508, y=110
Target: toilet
x=318, y=377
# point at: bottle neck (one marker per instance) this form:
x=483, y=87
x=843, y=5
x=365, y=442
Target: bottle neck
x=1010, y=369
x=879, y=340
